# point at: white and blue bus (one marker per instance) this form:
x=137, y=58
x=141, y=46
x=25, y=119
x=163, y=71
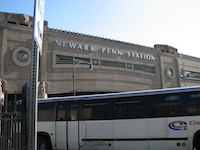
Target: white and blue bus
x=142, y=120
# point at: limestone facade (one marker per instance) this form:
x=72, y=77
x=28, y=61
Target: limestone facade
x=67, y=57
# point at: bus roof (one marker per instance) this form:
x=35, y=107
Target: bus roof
x=122, y=94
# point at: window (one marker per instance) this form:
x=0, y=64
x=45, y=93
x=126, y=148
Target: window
x=193, y=103
x=73, y=113
x=191, y=74
x=95, y=109
x=170, y=72
x=144, y=68
x=62, y=59
x=62, y=111
x=164, y=105
x=46, y=112
x=129, y=107
x=113, y=64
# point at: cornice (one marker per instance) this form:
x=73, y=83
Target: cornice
x=99, y=38
x=18, y=19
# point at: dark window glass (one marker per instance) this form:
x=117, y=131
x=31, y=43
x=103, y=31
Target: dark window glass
x=73, y=114
x=113, y=63
x=164, y=105
x=46, y=112
x=95, y=109
x=61, y=59
x=61, y=111
x=193, y=103
x=81, y=59
x=191, y=74
x=129, y=107
x=144, y=68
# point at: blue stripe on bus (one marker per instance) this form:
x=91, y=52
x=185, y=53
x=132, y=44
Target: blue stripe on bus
x=121, y=94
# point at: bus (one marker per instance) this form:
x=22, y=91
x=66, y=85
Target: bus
x=167, y=119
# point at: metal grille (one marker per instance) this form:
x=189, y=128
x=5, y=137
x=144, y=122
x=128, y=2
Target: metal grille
x=112, y=64
x=144, y=68
x=12, y=121
x=61, y=59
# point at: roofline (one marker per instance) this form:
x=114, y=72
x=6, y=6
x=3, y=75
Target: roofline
x=100, y=38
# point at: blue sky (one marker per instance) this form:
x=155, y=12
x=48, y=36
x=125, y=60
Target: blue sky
x=144, y=22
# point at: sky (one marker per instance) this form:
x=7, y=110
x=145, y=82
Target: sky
x=143, y=22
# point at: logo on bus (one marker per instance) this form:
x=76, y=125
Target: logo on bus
x=193, y=122
x=178, y=125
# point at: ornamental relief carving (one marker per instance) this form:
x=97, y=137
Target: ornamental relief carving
x=18, y=18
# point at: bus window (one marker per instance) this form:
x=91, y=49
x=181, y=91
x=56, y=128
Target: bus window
x=61, y=111
x=129, y=107
x=95, y=109
x=193, y=103
x=73, y=113
x=46, y=112
x=164, y=105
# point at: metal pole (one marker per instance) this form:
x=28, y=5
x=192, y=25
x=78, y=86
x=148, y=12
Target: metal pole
x=74, y=70
x=74, y=91
x=32, y=114
x=183, y=75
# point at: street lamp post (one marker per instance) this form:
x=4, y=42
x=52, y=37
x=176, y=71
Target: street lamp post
x=76, y=62
x=183, y=74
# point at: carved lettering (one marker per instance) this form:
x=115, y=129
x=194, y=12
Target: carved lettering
x=72, y=45
x=106, y=50
x=141, y=56
x=111, y=51
x=58, y=43
x=79, y=46
x=86, y=47
x=92, y=48
x=64, y=44
x=103, y=49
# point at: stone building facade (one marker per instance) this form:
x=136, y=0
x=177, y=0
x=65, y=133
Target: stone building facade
x=67, y=58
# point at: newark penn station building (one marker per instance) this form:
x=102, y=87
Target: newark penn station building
x=76, y=64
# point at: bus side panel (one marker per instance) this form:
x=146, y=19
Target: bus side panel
x=131, y=145
x=95, y=135
x=140, y=132
x=98, y=129
x=178, y=133
x=168, y=145
x=193, y=123
x=124, y=134
x=157, y=128
x=49, y=128
x=177, y=127
x=132, y=134
x=130, y=129
x=116, y=129
x=61, y=133
x=97, y=145
x=73, y=135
